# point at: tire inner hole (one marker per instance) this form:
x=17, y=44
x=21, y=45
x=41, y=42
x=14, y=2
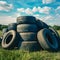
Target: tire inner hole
x=9, y=39
x=49, y=38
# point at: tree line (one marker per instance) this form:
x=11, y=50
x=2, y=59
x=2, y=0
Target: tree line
x=3, y=26
x=55, y=27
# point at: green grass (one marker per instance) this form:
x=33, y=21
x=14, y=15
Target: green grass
x=22, y=55
x=58, y=32
x=26, y=55
x=0, y=33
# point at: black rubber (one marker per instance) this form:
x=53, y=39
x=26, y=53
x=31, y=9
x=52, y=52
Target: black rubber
x=41, y=24
x=56, y=34
x=9, y=40
x=26, y=20
x=12, y=26
x=27, y=28
x=45, y=25
x=29, y=46
x=29, y=36
x=47, y=40
x=4, y=30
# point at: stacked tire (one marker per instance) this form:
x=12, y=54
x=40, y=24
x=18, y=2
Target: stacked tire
x=41, y=25
x=27, y=30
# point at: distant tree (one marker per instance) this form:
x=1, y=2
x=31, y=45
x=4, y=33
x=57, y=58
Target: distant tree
x=0, y=26
x=3, y=26
x=56, y=27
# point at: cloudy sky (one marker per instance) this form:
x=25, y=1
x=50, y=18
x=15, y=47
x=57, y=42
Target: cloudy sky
x=45, y=10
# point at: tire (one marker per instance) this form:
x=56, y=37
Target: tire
x=56, y=34
x=47, y=40
x=27, y=28
x=26, y=20
x=41, y=24
x=5, y=30
x=29, y=36
x=29, y=46
x=9, y=40
x=45, y=25
x=12, y=26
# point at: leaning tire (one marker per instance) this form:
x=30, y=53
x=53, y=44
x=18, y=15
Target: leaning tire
x=29, y=36
x=47, y=40
x=9, y=40
x=27, y=28
x=5, y=30
x=56, y=34
x=12, y=26
x=29, y=46
x=26, y=20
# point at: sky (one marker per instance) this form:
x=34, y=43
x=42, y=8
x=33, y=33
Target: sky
x=45, y=10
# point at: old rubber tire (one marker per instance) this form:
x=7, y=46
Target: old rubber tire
x=5, y=30
x=47, y=40
x=12, y=26
x=29, y=46
x=45, y=25
x=56, y=34
x=9, y=40
x=41, y=24
x=27, y=28
x=29, y=36
x=26, y=20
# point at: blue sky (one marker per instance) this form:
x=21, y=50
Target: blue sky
x=45, y=10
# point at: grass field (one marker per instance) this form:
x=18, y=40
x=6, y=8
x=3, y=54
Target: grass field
x=26, y=55
x=0, y=33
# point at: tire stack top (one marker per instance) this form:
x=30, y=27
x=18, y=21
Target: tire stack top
x=27, y=29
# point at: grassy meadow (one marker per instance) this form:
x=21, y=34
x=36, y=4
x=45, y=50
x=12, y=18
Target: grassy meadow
x=26, y=55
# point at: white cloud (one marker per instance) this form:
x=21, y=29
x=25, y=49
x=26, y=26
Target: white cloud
x=7, y=20
x=4, y=6
x=28, y=11
x=20, y=9
x=58, y=10
x=34, y=9
x=47, y=1
x=48, y=18
x=51, y=20
x=45, y=10
x=3, y=2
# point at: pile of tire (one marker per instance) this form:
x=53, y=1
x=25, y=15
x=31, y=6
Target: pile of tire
x=27, y=30
x=30, y=34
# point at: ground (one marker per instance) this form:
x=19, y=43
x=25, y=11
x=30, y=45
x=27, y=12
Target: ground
x=26, y=55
